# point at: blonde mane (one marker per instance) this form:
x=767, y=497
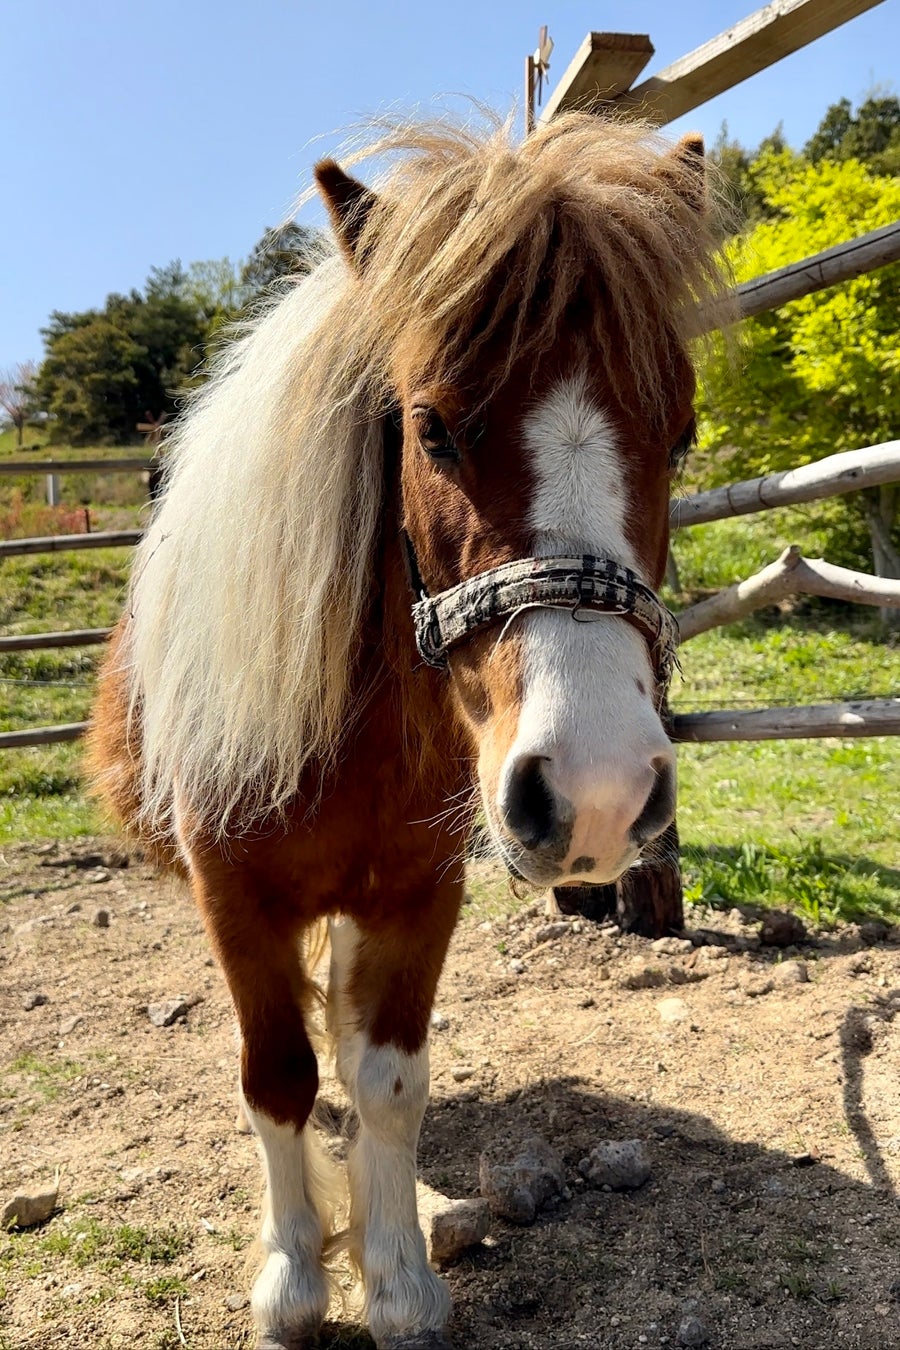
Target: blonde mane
x=250, y=587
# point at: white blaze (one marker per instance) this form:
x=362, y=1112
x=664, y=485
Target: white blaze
x=582, y=710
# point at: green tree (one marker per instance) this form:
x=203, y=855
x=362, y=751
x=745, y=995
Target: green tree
x=107, y=370
x=821, y=374
x=872, y=134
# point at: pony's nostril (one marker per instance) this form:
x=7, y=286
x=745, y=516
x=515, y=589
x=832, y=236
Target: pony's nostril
x=529, y=806
x=659, y=808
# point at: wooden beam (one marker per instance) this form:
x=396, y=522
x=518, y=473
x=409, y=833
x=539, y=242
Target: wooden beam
x=13, y=740
x=829, y=477
x=61, y=543
x=75, y=637
x=857, y=256
x=604, y=66
x=22, y=466
x=791, y=574
x=861, y=717
x=754, y=44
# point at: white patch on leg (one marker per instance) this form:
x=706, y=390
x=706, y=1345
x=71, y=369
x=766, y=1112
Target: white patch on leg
x=291, y=1291
x=403, y=1295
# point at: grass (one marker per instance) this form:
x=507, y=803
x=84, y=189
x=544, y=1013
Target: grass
x=807, y=825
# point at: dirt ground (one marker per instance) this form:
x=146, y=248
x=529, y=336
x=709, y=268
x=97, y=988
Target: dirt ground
x=771, y=1115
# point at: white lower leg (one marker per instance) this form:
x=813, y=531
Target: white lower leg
x=291, y=1291
x=403, y=1295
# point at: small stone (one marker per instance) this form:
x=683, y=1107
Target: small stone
x=461, y=1224
x=516, y=1189
x=439, y=1022
x=673, y=1010
x=712, y=954
x=68, y=1024
x=462, y=1073
x=718, y=1186
x=620, y=1164
x=97, y=877
x=692, y=1332
x=549, y=932
x=74, y=908
x=790, y=972
x=101, y=918
x=234, y=1302
x=804, y=1160
x=758, y=988
x=587, y=1002
x=672, y=946
x=170, y=1010
x=774, y=1187
x=34, y=999
x=781, y=929
x=664, y=1129
x=28, y=1208
x=517, y=967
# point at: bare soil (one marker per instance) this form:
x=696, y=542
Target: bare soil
x=771, y=1116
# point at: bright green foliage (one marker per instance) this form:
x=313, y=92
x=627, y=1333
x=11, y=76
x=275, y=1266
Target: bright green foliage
x=818, y=375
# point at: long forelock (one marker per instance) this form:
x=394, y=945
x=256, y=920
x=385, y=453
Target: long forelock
x=476, y=239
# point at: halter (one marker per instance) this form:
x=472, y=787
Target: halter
x=586, y=585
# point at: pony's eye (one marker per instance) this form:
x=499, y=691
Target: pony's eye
x=683, y=445
x=434, y=437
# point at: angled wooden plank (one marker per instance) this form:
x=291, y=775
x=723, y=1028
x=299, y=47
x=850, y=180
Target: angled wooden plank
x=843, y=262
x=605, y=65
x=759, y=41
x=847, y=471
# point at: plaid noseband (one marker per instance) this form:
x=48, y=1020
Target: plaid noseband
x=587, y=586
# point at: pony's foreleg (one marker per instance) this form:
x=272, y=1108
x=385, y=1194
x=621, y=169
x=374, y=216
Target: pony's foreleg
x=279, y=1081
x=383, y=984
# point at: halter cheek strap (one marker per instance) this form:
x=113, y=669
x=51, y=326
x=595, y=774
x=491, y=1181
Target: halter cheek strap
x=586, y=585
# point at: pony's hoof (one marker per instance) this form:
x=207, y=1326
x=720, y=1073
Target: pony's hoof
x=417, y=1340
x=288, y=1340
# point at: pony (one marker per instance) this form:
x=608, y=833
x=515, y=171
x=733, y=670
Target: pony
x=403, y=570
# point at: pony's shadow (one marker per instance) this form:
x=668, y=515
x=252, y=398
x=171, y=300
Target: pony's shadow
x=747, y=1231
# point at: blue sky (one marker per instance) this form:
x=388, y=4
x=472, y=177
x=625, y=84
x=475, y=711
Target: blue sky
x=136, y=133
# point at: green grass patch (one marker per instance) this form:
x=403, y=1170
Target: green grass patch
x=46, y=1077
x=165, y=1290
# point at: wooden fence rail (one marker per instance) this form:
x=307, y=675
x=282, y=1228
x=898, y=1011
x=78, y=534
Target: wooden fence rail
x=830, y=477
x=44, y=466
x=843, y=262
x=862, y=717
x=858, y=717
x=73, y=637
x=60, y=543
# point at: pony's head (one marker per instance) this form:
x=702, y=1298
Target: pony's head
x=536, y=305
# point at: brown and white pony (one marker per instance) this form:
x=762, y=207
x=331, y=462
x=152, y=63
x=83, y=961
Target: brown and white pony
x=487, y=383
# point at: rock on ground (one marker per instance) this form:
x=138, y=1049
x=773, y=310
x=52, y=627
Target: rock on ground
x=451, y=1226
x=516, y=1188
x=620, y=1164
x=28, y=1208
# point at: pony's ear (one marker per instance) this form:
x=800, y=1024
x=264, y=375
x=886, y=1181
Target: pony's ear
x=349, y=203
x=690, y=158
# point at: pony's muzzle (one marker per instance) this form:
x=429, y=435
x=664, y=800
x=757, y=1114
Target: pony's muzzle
x=585, y=824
